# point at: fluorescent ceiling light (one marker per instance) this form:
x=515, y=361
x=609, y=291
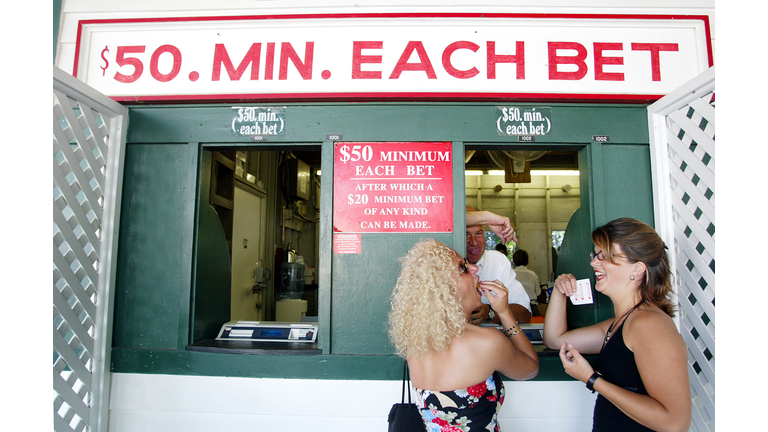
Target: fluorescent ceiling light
x=554, y=172
x=533, y=172
x=473, y=173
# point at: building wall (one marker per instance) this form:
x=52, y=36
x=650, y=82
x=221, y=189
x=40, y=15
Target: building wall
x=160, y=403
x=152, y=315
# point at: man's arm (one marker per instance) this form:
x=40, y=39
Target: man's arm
x=522, y=314
x=520, y=303
x=499, y=225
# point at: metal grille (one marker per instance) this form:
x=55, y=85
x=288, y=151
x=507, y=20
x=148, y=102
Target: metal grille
x=684, y=169
x=88, y=137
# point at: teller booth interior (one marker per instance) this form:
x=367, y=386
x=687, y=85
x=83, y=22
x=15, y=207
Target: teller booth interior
x=219, y=228
x=267, y=202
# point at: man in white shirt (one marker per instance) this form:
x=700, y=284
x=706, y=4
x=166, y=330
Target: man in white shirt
x=527, y=277
x=493, y=265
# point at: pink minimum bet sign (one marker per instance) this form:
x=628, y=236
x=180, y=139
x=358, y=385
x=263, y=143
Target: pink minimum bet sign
x=392, y=187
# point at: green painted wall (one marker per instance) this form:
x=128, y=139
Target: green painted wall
x=154, y=269
x=362, y=285
x=310, y=123
x=165, y=284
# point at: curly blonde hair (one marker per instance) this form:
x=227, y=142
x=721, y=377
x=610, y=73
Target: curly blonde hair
x=426, y=311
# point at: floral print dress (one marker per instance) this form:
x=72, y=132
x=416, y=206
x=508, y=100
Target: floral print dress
x=467, y=410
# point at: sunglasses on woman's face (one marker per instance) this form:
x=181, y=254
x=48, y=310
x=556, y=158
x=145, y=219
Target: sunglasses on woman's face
x=463, y=266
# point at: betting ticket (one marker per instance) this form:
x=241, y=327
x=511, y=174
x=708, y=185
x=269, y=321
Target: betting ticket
x=583, y=294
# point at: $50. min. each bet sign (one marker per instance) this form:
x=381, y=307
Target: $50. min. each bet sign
x=393, y=187
x=416, y=56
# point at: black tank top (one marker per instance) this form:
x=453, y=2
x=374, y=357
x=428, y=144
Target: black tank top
x=617, y=365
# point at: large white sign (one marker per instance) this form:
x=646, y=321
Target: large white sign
x=448, y=56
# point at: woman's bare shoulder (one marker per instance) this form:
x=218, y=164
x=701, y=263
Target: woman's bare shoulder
x=650, y=325
x=650, y=316
x=482, y=339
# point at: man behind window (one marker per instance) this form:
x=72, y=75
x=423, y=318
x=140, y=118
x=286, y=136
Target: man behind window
x=492, y=265
x=528, y=278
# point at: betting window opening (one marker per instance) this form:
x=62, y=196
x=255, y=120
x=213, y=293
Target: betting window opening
x=266, y=202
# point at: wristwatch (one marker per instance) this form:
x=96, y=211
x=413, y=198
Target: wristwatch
x=591, y=381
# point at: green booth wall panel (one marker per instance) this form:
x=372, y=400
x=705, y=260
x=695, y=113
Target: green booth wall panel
x=152, y=288
x=331, y=367
x=212, y=296
x=362, y=286
x=166, y=294
x=470, y=123
x=212, y=279
x=627, y=184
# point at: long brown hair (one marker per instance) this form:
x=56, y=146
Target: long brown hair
x=640, y=243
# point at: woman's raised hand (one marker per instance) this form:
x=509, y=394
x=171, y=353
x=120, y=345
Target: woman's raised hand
x=496, y=293
x=566, y=284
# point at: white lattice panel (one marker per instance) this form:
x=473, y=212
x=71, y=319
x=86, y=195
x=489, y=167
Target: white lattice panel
x=684, y=171
x=83, y=205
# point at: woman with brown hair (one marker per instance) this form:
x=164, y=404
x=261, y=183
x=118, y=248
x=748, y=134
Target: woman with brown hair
x=641, y=372
x=454, y=364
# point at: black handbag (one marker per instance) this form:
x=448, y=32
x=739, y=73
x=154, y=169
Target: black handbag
x=405, y=417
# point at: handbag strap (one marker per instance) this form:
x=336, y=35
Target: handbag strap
x=406, y=379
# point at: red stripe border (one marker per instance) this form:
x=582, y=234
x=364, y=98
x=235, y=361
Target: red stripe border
x=451, y=96
x=392, y=97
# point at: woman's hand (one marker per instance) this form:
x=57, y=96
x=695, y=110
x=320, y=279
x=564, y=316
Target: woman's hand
x=566, y=284
x=574, y=363
x=496, y=293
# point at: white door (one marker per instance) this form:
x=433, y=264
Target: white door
x=247, y=255
x=682, y=126
x=88, y=149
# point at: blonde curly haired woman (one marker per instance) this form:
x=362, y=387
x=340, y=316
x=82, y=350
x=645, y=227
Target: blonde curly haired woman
x=454, y=365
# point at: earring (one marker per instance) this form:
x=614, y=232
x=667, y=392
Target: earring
x=632, y=277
